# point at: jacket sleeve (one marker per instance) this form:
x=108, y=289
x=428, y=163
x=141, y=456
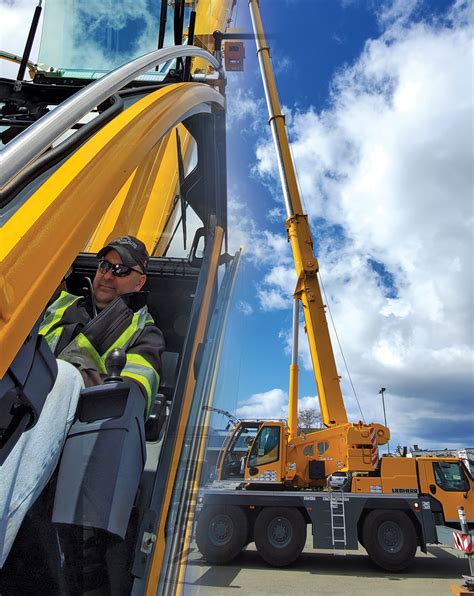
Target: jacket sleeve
x=143, y=363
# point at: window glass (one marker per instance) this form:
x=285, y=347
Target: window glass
x=87, y=34
x=322, y=447
x=266, y=448
x=450, y=476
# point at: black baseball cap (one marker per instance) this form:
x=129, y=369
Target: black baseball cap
x=131, y=250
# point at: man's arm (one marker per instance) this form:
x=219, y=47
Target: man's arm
x=144, y=362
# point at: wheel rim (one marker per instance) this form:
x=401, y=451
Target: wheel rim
x=280, y=532
x=221, y=529
x=390, y=537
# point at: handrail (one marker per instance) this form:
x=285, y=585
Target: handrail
x=36, y=138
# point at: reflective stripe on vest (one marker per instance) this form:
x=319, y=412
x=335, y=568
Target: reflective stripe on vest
x=140, y=319
x=139, y=369
x=52, y=318
x=82, y=353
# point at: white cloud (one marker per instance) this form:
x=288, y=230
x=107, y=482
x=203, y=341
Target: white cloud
x=276, y=215
x=273, y=300
x=282, y=64
x=397, y=11
x=272, y=404
x=390, y=164
x=277, y=287
x=244, y=109
x=16, y=18
x=245, y=308
x=260, y=246
x=269, y=404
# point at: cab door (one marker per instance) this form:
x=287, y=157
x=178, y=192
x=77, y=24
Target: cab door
x=265, y=461
x=230, y=465
x=448, y=482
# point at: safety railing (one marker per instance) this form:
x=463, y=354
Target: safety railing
x=39, y=136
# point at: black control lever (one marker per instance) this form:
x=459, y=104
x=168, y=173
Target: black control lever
x=115, y=363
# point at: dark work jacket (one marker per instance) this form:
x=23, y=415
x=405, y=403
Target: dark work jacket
x=85, y=341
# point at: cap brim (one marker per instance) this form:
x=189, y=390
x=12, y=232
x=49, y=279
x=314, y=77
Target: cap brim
x=124, y=255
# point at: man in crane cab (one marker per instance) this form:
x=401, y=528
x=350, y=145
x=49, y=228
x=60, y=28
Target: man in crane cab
x=76, y=334
x=81, y=332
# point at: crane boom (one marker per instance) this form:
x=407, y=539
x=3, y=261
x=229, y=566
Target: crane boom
x=307, y=290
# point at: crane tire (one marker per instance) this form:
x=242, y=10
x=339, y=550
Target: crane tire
x=221, y=533
x=280, y=535
x=390, y=539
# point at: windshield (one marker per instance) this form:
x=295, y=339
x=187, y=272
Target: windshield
x=450, y=476
x=87, y=34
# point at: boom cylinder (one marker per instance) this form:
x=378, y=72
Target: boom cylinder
x=293, y=389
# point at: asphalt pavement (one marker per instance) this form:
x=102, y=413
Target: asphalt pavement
x=321, y=572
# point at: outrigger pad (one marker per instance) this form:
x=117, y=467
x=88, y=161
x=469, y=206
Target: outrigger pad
x=24, y=389
x=103, y=459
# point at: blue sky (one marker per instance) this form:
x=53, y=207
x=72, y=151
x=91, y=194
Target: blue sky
x=378, y=101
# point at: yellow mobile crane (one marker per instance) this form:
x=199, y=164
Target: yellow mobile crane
x=389, y=505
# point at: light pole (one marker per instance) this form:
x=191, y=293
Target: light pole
x=382, y=392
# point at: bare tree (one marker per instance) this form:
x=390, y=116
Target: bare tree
x=309, y=420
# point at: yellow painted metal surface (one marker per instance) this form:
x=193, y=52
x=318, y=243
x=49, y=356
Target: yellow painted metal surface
x=40, y=241
x=398, y=473
x=344, y=447
x=366, y=484
x=143, y=205
x=163, y=193
x=204, y=314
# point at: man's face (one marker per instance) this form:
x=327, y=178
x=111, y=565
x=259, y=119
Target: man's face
x=107, y=286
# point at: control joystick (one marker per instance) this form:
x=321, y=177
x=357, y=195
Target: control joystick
x=115, y=363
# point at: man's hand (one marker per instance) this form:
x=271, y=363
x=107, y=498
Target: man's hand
x=91, y=377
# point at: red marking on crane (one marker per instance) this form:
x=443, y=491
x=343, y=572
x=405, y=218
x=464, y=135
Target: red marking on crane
x=374, y=454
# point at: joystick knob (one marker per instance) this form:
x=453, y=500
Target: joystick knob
x=115, y=363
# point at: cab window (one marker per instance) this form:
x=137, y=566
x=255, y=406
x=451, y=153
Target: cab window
x=266, y=448
x=237, y=451
x=450, y=476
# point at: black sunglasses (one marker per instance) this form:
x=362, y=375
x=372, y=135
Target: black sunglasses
x=118, y=270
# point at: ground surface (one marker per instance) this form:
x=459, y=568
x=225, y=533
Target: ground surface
x=320, y=572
